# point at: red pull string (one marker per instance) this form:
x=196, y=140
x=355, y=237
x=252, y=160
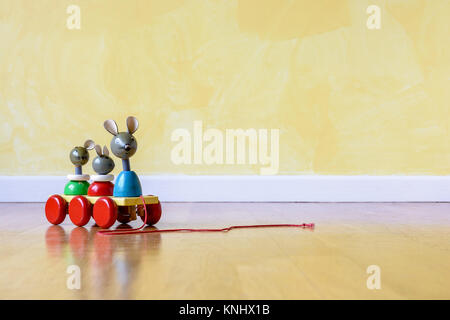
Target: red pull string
x=136, y=230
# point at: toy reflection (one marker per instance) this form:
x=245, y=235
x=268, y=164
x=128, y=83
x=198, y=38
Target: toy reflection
x=107, y=263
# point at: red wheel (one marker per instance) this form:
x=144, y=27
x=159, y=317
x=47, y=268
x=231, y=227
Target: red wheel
x=80, y=210
x=154, y=212
x=123, y=215
x=55, y=209
x=105, y=212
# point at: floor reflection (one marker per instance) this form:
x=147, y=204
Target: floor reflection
x=107, y=262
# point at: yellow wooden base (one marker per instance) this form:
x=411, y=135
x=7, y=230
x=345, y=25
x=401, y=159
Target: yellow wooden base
x=120, y=201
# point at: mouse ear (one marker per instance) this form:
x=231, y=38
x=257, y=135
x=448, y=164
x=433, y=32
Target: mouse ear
x=105, y=151
x=98, y=149
x=89, y=144
x=111, y=127
x=132, y=124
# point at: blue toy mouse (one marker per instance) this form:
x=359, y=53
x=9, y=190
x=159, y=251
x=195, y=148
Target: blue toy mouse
x=124, y=145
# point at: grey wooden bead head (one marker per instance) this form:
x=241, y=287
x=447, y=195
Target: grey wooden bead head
x=123, y=144
x=102, y=164
x=79, y=156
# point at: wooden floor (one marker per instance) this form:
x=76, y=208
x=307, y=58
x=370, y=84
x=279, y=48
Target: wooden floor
x=409, y=242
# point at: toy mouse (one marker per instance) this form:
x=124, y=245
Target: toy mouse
x=124, y=146
x=78, y=183
x=102, y=165
x=79, y=156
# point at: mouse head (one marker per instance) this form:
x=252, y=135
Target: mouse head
x=79, y=156
x=102, y=164
x=123, y=144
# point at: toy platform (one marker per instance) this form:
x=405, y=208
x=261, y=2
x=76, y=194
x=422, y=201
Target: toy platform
x=120, y=201
x=105, y=210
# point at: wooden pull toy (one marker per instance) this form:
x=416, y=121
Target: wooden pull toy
x=123, y=201
x=102, y=200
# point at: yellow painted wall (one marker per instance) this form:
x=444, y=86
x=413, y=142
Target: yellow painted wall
x=347, y=100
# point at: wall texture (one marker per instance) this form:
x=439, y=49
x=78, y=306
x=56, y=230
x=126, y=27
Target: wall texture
x=347, y=100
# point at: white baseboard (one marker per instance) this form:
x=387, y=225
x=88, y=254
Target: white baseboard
x=314, y=188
